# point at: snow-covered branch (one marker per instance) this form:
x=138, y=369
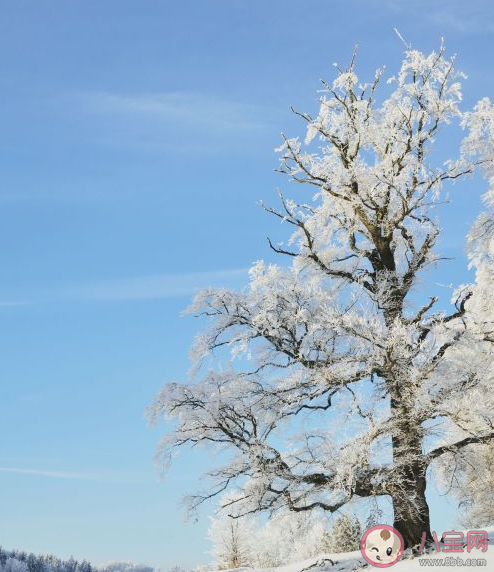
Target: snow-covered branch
x=343, y=389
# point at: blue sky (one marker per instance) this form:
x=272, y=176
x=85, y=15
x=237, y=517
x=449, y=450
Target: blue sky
x=135, y=140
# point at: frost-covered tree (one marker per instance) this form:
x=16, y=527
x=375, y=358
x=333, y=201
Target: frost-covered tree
x=125, y=567
x=375, y=514
x=345, y=535
x=14, y=565
x=474, y=483
x=42, y=563
x=257, y=543
x=289, y=537
x=351, y=382
x=231, y=539
x=470, y=472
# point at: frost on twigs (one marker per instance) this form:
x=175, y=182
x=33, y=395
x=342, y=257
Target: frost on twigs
x=330, y=386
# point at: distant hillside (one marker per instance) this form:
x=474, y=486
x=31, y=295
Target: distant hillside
x=44, y=563
x=19, y=561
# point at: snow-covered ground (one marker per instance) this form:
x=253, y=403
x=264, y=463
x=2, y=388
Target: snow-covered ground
x=353, y=561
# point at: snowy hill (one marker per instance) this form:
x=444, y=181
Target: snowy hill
x=354, y=561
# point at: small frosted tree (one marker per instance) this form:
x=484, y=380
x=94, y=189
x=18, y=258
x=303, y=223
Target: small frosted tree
x=14, y=565
x=347, y=389
x=257, y=543
x=288, y=537
x=231, y=539
x=345, y=534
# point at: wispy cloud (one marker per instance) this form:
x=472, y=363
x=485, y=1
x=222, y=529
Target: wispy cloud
x=187, y=110
x=456, y=15
x=462, y=22
x=169, y=122
x=156, y=286
x=100, y=476
x=140, y=287
x=51, y=474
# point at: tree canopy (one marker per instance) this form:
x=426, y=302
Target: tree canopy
x=384, y=385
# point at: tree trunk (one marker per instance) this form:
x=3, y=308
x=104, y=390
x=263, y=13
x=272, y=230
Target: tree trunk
x=411, y=510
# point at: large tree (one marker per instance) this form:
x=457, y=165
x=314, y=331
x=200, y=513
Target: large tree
x=469, y=473
x=348, y=386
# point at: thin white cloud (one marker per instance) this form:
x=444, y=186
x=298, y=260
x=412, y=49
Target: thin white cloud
x=102, y=476
x=156, y=286
x=151, y=287
x=51, y=474
x=463, y=23
x=185, y=110
x=456, y=15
